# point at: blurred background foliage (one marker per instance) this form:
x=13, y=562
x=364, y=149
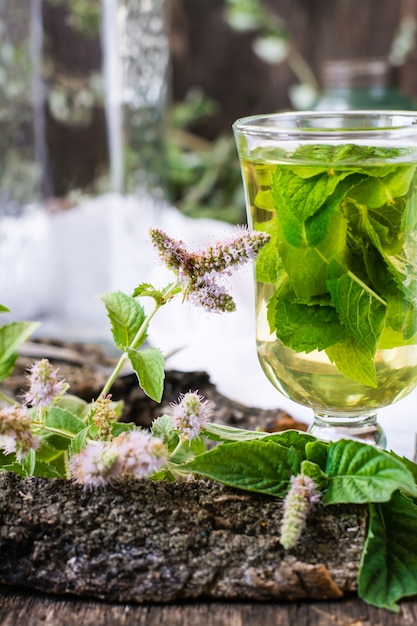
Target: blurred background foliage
x=233, y=58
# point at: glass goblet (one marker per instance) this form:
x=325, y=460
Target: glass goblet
x=336, y=286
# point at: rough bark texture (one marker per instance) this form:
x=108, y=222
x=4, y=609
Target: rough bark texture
x=159, y=542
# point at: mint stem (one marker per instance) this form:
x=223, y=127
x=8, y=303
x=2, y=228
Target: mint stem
x=7, y=399
x=167, y=294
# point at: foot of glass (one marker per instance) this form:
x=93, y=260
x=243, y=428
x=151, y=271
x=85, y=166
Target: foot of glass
x=361, y=428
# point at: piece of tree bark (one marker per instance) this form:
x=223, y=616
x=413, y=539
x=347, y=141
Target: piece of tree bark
x=144, y=541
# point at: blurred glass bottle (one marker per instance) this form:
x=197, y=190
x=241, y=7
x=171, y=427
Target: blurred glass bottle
x=360, y=84
x=82, y=107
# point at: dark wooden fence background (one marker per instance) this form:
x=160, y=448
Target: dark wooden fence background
x=208, y=54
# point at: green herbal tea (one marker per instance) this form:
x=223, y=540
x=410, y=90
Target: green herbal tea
x=336, y=286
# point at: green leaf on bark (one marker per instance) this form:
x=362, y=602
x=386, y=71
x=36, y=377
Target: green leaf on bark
x=388, y=569
x=360, y=473
x=260, y=466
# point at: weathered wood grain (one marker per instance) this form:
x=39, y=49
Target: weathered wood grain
x=146, y=541
x=19, y=608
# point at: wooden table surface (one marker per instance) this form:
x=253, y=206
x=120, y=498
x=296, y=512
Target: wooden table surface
x=21, y=608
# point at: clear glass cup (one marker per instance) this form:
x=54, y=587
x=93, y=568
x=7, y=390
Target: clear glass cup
x=336, y=286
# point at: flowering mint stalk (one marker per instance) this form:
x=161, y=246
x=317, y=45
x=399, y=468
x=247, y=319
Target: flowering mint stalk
x=16, y=432
x=198, y=273
x=136, y=454
x=45, y=386
x=62, y=437
x=302, y=495
x=190, y=415
x=197, y=278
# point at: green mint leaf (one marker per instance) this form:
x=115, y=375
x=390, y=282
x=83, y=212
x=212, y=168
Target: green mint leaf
x=222, y=432
x=377, y=191
x=306, y=265
x=305, y=328
x=313, y=471
x=43, y=470
x=288, y=438
x=149, y=367
x=146, y=289
x=79, y=442
x=347, y=155
x=360, y=473
x=163, y=427
x=387, y=224
x=189, y=450
x=360, y=309
x=316, y=452
x=388, y=569
x=12, y=336
x=47, y=453
x=75, y=405
x=260, y=466
x=126, y=316
x=122, y=427
x=292, y=439
x=401, y=316
x=354, y=361
x=64, y=421
x=28, y=463
x=4, y=309
x=410, y=465
x=268, y=265
x=303, y=197
x=33, y=464
x=401, y=265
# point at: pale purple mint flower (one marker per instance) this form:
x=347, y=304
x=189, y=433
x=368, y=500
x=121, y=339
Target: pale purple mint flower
x=298, y=502
x=140, y=453
x=45, y=386
x=212, y=297
x=230, y=254
x=198, y=272
x=172, y=252
x=96, y=465
x=190, y=414
x=16, y=433
x=135, y=453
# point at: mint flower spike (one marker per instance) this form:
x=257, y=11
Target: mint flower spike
x=172, y=252
x=190, y=415
x=234, y=252
x=212, y=297
x=16, y=432
x=298, y=502
x=135, y=453
x=197, y=272
x=45, y=386
x=229, y=254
